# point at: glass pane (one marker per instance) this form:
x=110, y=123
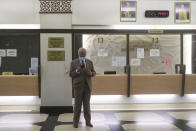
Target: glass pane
x=108, y=52
x=154, y=54
x=19, y=54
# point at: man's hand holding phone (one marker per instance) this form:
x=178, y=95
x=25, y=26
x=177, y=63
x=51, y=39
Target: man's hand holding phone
x=79, y=69
x=89, y=72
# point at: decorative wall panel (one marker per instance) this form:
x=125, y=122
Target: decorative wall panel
x=55, y=6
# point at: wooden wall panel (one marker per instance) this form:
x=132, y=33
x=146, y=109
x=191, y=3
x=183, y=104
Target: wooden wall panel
x=190, y=84
x=20, y=85
x=109, y=85
x=156, y=84
x=106, y=84
x=140, y=84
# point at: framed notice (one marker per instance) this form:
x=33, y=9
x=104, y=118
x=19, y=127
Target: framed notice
x=56, y=42
x=128, y=11
x=56, y=55
x=182, y=12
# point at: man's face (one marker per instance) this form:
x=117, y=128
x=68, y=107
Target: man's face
x=82, y=53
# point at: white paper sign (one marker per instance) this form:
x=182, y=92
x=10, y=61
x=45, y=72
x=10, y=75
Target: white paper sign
x=34, y=66
x=2, y=53
x=118, y=61
x=88, y=54
x=140, y=53
x=33, y=71
x=34, y=62
x=12, y=52
x=114, y=61
x=135, y=62
x=154, y=52
x=122, y=61
x=102, y=52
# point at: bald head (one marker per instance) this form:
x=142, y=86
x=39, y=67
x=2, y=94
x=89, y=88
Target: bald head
x=82, y=52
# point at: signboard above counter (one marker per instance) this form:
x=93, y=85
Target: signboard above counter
x=156, y=13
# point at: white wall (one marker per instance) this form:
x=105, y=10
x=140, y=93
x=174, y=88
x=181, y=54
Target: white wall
x=107, y=12
x=19, y=12
x=89, y=12
x=56, y=85
x=55, y=21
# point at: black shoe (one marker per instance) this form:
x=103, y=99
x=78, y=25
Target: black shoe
x=89, y=124
x=75, y=126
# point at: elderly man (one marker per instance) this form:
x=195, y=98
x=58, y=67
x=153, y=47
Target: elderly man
x=81, y=71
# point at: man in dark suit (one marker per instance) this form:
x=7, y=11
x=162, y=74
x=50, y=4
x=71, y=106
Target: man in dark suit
x=81, y=71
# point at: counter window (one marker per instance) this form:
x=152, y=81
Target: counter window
x=154, y=54
x=108, y=52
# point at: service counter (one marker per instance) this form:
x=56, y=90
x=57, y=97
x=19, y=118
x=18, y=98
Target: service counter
x=109, y=85
x=27, y=85
x=19, y=85
x=190, y=84
x=156, y=84
x=143, y=84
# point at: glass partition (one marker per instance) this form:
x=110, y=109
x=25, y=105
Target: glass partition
x=108, y=52
x=154, y=54
x=148, y=54
x=19, y=54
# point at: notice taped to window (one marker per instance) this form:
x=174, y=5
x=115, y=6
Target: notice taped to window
x=11, y=52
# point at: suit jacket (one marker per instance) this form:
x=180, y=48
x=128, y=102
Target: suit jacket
x=79, y=78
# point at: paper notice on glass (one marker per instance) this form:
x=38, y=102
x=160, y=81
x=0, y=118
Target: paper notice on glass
x=168, y=60
x=2, y=53
x=34, y=62
x=118, y=61
x=140, y=53
x=11, y=52
x=122, y=61
x=102, y=52
x=154, y=52
x=33, y=71
x=88, y=54
x=135, y=62
x=114, y=61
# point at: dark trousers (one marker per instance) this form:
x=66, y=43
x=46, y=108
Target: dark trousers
x=82, y=98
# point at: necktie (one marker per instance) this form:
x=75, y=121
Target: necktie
x=83, y=63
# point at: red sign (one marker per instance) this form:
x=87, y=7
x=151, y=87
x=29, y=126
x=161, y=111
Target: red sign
x=157, y=13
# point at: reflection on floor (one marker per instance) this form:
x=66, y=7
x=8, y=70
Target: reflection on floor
x=154, y=120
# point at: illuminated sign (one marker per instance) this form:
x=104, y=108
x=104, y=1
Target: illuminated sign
x=156, y=13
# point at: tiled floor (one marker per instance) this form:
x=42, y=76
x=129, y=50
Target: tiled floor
x=154, y=120
x=150, y=127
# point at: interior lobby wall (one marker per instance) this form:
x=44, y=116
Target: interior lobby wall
x=19, y=12
x=90, y=12
x=107, y=12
